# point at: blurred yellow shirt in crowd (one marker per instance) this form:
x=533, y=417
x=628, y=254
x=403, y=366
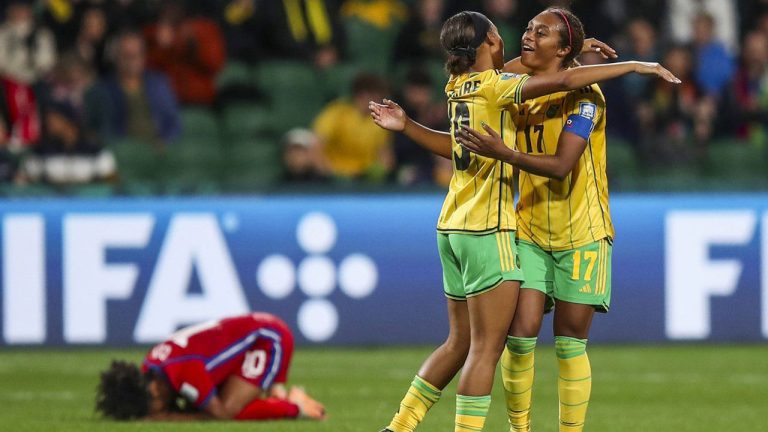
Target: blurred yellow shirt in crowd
x=352, y=143
x=380, y=13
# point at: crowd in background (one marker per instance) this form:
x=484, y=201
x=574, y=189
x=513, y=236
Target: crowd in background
x=78, y=75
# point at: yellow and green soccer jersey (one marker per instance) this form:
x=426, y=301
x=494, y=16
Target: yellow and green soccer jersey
x=559, y=215
x=481, y=192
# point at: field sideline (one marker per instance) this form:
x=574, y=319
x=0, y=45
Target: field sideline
x=635, y=388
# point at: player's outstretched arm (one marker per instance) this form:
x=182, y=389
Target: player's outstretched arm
x=582, y=76
x=590, y=45
x=558, y=166
x=389, y=115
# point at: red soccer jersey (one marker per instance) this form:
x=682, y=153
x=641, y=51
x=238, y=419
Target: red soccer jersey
x=256, y=347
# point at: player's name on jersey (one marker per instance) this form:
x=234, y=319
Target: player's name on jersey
x=468, y=87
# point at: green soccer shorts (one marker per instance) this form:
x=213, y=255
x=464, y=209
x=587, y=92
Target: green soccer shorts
x=581, y=275
x=474, y=264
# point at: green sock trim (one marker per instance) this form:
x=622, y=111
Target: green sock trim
x=568, y=347
x=521, y=345
x=473, y=405
x=427, y=390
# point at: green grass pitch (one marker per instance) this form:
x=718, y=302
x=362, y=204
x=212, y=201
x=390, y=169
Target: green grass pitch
x=637, y=388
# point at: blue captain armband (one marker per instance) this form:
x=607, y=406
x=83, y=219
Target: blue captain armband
x=579, y=125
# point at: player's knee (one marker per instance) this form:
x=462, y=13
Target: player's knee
x=571, y=329
x=486, y=348
x=526, y=329
x=458, y=344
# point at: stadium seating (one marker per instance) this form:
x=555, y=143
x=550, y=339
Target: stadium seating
x=368, y=45
x=199, y=123
x=243, y=120
x=622, y=163
x=729, y=159
x=252, y=164
x=284, y=83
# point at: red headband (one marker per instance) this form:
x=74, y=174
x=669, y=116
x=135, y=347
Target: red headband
x=570, y=36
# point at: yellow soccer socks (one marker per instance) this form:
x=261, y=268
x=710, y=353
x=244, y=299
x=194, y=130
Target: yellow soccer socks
x=517, y=376
x=471, y=412
x=414, y=406
x=574, y=382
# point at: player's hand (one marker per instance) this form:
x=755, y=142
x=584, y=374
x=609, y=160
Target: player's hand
x=388, y=115
x=308, y=407
x=600, y=47
x=649, y=68
x=490, y=145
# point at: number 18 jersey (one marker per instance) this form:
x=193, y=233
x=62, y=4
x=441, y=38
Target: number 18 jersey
x=481, y=193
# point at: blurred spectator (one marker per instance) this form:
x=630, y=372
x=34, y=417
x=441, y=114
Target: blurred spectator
x=62, y=17
x=27, y=50
x=92, y=39
x=302, y=158
x=9, y=160
x=302, y=29
x=682, y=21
x=642, y=47
x=419, y=39
x=65, y=155
x=414, y=164
x=714, y=66
x=672, y=117
x=750, y=90
x=143, y=105
x=20, y=113
x=383, y=14
x=352, y=143
x=241, y=30
x=73, y=81
x=125, y=14
x=510, y=24
x=750, y=14
x=190, y=50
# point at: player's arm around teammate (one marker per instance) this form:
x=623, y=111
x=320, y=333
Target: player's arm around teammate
x=389, y=115
x=570, y=147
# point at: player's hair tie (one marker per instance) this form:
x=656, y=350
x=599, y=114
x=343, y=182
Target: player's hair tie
x=470, y=53
x=482, y=25
x=567, y=23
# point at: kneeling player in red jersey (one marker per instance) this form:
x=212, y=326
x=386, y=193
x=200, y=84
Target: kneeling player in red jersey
x=232, y=369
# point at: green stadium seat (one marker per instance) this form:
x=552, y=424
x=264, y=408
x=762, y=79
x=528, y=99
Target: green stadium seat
x=736, y=160
x=294, y=93
x=192, y=162
x=253, y=164
x=137, y=161
x=247, y=120
x=622, y=159
x=369, y=46
x=236, y=74
x=30, y=190
x=92, y=191
x=199, y=122
x=337, y=80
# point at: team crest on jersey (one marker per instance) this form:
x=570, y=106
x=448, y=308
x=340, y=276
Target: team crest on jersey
x=507, y=76
x=552, y=110
x=587, y=110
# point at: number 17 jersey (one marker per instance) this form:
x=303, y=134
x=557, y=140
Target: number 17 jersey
x=481, y=193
